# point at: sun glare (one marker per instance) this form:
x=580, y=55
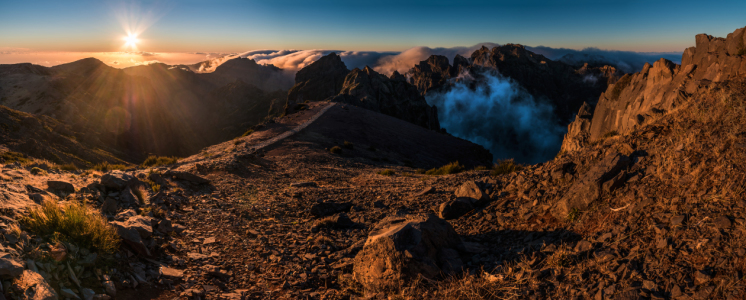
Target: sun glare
x=131, y=40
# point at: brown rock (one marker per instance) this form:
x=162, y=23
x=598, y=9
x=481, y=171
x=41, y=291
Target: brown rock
x=403, y=247
x=589, y=187
x=62, y=186
x=471, y=190
x=31, y=286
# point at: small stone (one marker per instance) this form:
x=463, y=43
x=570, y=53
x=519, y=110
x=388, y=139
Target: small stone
x=583, y=246
x=109, y=286
x=68, y=293
x=677, y=220
x=171, y=273
x=701, y=278
x=88, y=294
x=110, y=206
x=648, y=285
x=722, y=222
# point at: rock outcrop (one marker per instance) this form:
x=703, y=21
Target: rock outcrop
x=329, y=79
x=322, y=79
x=640, y=98
x=391, y=96
x=401, y=248
x=599, y=179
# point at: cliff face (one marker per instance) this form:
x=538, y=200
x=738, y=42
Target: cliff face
x=563, y=86
x=329, y=79
x=638, y=99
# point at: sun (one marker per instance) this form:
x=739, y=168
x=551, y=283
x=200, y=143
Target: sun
x=131, y=40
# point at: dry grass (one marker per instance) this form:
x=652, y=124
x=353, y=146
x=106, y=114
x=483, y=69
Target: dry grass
x=106, y=167
x=247, y=133
x=451, y=168
x=72, y=222
x=336, y=150
x=38, y=171
x=154, y=161
x=386, y=172
x=505, y=167
x=10, y=157
x=140, y=193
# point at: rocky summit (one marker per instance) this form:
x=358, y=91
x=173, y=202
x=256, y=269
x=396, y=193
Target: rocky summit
x=344, y=185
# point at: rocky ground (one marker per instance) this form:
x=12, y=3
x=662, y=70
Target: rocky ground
x=656, y=214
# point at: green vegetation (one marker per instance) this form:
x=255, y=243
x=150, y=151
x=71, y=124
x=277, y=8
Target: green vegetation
x=106, y=167
x=10, y=157
x=72, y=222
x=451, y=168
x=620, y=85
x=386, y=172
x=336, y=150
x=154, y=161
x=38, y=171
x=573, y=215
x=247, y=133
x=505, y=167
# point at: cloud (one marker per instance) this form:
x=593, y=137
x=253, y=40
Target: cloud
x=626, y=61
x=501, y=116
x=144, y=63
x=406, y=60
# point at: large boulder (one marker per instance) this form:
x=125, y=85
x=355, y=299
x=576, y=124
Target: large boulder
x=62, y=186
x=401, y=248
x=590, y=186
x=32, y=286
x=133, y=231
x=322, y=79
x=471, y=190
x=117, y=180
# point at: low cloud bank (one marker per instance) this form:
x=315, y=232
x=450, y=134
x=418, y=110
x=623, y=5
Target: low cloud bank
x=501, y=116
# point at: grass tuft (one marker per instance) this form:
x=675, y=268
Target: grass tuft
x=154, y=161
x=451, y=168
x=386, y=172
x=348, y=145
x=505, y=167
x=106, y=167
x=10, y=156
x=72, y=222
x=247, y=133
x=38, y=171
x=336, y=150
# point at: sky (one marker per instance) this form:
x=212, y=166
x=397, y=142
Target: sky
x=54, y=31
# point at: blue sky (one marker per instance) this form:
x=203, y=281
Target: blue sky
x=234, y=26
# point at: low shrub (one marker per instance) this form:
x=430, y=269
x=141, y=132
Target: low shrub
x=336, y=150
x=154, y=161
x=72, y=222
x=348, y=145
x=38, y=171
x=386, y=172
x=505, y=167
x=451, y=168
x=106, y=167
x=10, y=156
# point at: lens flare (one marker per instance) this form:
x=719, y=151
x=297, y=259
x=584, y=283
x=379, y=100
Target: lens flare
x=131, y=40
